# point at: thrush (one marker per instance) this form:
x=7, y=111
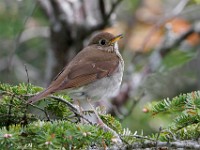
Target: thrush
x=95, y=73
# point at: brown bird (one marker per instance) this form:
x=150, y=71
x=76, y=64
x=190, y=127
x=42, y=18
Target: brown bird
x=94, y=73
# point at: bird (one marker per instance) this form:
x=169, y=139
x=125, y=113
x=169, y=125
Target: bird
x=95, y=73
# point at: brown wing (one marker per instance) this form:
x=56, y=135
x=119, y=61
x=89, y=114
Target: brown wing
x=88, y=69
x=87, y=73
x=88, y=66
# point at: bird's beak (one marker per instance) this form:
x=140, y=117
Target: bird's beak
x=115, y=39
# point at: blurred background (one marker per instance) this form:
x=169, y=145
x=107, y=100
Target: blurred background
x=160, y=47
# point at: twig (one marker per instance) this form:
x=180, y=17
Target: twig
x=172, y=134
x=140, y=137
x=160, y=129
x=27, y=91
x=143, y=137
x=104, y=126
x=43, y=110
x=114, y=6
x=47, y=115
x=66, y=102
x=106, y=18
x=9, y=113
x=28, y=81
x=19, y=97
x=73, y=109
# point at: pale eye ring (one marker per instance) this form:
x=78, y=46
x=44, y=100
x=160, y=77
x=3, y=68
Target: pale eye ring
x=102, y=42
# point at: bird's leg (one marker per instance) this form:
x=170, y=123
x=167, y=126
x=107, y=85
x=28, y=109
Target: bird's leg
x=99, y=120
x=80, y=109
x=79, y=106
x=103, y=125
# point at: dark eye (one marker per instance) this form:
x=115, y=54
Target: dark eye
x=102, y=42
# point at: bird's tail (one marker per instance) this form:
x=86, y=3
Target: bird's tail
x=39, y=96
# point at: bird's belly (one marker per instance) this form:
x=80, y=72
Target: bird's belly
x=101, y=89
x=106, y=87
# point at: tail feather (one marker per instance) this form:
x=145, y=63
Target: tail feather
x=39, y=96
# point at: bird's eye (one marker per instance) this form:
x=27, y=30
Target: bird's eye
x=102, y=42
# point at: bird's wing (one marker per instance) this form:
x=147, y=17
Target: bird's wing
x=89, y=70
x=85, y=68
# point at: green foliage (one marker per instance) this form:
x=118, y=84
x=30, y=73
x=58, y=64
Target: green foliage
x=22, y=127
x=56, y=135
x=7, y=28
x=196, y=1
x=59, y=128
x=59, y=109
x=185, y=111
x=12, y=17
x=112, y=122
x=13, y=107
x=176, y=58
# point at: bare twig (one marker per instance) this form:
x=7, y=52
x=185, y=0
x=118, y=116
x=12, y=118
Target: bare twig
x=28, y=81
x=106, y=18
x=160, y=129
x=140, y=137
x=113, y=7
x=27, y=91
x=72, y=108
x=43, y=110
x=104, y=126
x=46, y=113
x=143, y=137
